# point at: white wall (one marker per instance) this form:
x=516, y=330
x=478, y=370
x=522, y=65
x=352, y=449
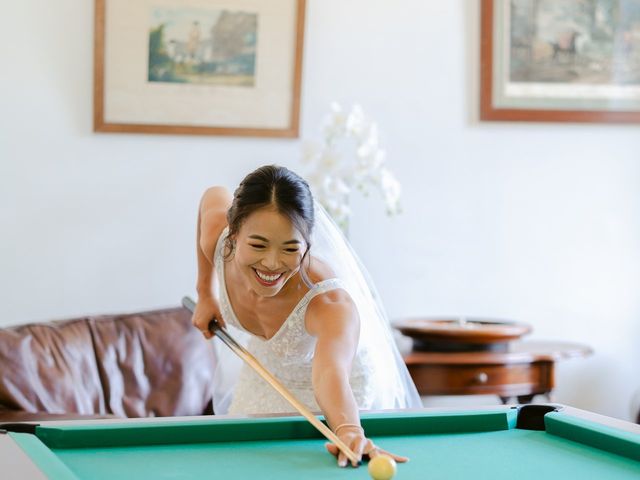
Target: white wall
x=539, y=223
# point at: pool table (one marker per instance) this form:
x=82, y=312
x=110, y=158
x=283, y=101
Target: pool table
x=527, y=442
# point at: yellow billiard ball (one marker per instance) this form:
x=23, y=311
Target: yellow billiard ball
x=382, y=467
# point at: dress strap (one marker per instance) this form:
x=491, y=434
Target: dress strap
x=319, y=288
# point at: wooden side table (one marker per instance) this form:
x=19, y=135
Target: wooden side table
x=524, y=370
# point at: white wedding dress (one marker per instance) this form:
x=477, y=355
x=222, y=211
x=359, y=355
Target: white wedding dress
x=288, y=355
x=379, y=378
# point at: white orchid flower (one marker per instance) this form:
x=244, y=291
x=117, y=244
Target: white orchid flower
x=349, y=158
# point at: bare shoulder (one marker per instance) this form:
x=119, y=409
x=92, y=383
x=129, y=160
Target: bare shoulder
x=215, y=198
x=214, y=205
x=330, y=310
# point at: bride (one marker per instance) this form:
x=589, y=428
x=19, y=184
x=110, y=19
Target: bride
x=276, y=271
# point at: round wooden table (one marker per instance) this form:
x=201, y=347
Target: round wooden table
x=461, y=333
x=524, y=369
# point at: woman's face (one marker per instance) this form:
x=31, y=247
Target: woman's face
x=269, y=251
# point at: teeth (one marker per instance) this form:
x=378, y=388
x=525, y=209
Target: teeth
x=268, y=278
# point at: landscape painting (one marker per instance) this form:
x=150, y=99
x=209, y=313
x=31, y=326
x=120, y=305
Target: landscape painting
x=198, y=67
x=203, y=46
x=575, y=41
x=560, y=60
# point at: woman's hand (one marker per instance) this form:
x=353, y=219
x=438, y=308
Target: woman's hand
x=354, y=438
x=206, y=310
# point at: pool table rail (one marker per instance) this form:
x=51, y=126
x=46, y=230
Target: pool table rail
x=31, y=453
x=264, y=429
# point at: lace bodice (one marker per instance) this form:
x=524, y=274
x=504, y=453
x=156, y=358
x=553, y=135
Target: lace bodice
x=288, y=355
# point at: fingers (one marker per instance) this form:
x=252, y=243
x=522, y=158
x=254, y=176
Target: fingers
x=371, y=450
x=365, y=448
x=342, y=459
x=204, y=330
x=213, y=324
x=336, y=452
x=359, y=446
x=331, y=448
x=206, y=312
x=378, y=451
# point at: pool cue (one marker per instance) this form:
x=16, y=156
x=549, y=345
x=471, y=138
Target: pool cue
x=254, y=363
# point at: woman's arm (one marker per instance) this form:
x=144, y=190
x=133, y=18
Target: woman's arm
x=212, y=219
x=333, y=319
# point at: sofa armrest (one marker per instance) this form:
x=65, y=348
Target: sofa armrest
x=14, y=416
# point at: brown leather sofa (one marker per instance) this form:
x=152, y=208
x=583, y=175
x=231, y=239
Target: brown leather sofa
x=132, y=365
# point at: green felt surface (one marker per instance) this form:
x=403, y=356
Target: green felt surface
x=519, y=454
x=469, y=445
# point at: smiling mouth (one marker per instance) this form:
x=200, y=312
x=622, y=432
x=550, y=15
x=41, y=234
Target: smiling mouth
x=268, y=279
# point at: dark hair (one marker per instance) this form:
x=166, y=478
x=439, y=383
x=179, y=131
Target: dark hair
x=275, y=186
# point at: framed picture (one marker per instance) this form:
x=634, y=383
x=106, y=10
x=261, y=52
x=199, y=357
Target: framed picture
x=560, y=61
x=209, y=67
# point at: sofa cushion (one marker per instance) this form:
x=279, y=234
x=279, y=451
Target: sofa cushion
x=133, y=365
x=50, y=367
x=153, y=363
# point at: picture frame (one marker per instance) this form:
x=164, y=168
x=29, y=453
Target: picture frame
x=571, y=61
x=198, y=67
